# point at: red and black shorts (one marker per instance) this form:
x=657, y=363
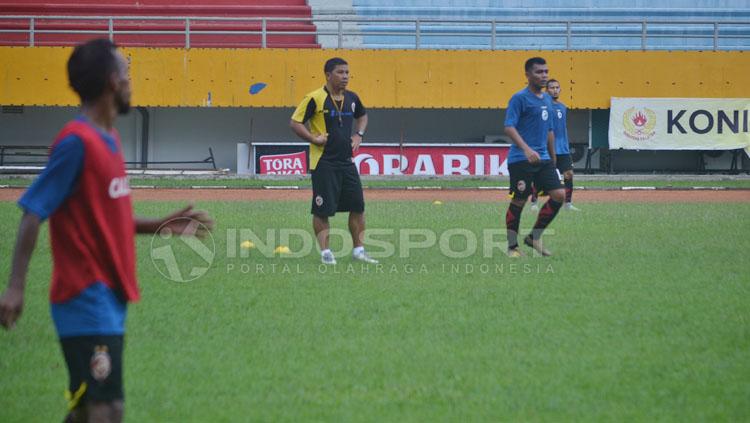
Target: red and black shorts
x=335, y=189
x=523, y=174
x=94, y=367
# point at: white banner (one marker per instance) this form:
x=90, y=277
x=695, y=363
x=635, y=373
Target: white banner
x=679, y=123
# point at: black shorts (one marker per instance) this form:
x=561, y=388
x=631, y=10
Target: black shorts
x=564, y=163
x=336, y=189
x=95, y=368
x=543, y=175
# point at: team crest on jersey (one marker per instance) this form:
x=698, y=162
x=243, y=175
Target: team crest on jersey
x=521, y=186
x=559, y=114
x=319, y=201
x=545, y=114
x=354, y=107
x=101, y=363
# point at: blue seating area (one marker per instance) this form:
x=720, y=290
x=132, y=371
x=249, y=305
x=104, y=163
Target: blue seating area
x=671, y=25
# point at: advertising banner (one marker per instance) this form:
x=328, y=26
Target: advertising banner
x=679, y=124
x=283, y=164
x=432, y=160
x=390, y=159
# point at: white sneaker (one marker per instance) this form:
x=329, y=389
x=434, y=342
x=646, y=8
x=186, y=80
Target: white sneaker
x=571, y=207
x=365, y=258
x=534, y=206
x=327, y=258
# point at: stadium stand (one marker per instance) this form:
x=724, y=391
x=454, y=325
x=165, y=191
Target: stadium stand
x=203, y=96
x=538, y=24
x=288, y=23
x=330, y=16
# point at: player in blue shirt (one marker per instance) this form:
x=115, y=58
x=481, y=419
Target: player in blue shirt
x=562, y=146
x=531, y=160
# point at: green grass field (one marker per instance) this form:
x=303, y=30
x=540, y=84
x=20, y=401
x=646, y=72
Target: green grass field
x=468, y=182
x=642, y=315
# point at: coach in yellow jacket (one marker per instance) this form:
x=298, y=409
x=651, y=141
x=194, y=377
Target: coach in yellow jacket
x=337, y=122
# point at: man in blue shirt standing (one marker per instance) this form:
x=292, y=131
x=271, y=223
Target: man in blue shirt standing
x=531, y=160
x=562, y=146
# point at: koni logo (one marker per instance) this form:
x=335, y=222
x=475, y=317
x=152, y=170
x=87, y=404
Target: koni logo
x=702, y=122
x=639, y=123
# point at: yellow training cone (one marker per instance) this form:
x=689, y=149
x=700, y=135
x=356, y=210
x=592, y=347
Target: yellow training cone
x=282, y=249
x=247, y=245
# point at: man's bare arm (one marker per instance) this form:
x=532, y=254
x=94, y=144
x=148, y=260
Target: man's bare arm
x=301, y=131
x=11, y=302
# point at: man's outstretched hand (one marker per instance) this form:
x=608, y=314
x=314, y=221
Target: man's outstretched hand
x=11, y=307
x=185, y=221
x=188, y=221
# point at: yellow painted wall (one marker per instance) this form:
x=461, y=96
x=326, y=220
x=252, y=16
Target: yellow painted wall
x=383, y=78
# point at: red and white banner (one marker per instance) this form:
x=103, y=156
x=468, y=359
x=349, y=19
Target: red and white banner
x=430, y=160
x=385, y=159
x=284, y=164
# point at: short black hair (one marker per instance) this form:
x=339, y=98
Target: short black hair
x=90, y=66
x=534, y=61
x=551, y=81
x=332, y=63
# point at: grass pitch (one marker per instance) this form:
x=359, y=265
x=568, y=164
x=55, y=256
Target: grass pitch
x=641, y=315
x=729, y=182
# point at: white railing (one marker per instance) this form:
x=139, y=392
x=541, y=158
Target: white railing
x=479, y=34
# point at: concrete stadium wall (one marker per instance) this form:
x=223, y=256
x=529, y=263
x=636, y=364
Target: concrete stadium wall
x=39, y=126
x=387, y=79
x=186, y=133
